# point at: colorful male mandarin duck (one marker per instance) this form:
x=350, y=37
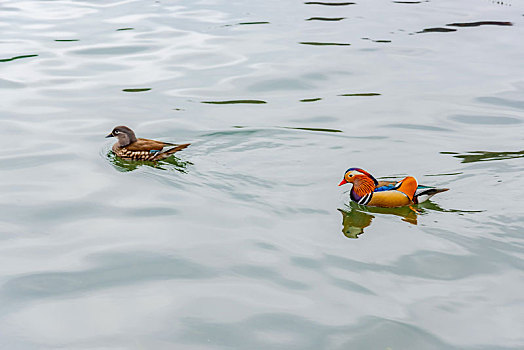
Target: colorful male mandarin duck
x=129, y=147
x=387, y=194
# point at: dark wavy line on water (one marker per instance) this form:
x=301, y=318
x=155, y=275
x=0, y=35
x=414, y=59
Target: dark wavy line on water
x=377, y=41
x=465, y=24
x=362, y=94
x=330, y=3
x=234, y=102
x=316, y=43
x=483, y=156
x=252, y=131
x=312, y=129
x=122, y=29
x=437, y=30
x=136, y=90
x=407, y=2
x=481, y=23
x=66, y=40
x=250, y=23
x=16, y=58
x=246, y=23
x=328, y=19
x=311, y=99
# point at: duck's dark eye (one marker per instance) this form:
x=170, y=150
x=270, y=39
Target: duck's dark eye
x=116, y=132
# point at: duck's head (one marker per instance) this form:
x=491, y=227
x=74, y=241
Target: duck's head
x=355, y=174
x=125, y=135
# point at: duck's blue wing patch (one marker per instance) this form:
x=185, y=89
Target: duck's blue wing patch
x=393, y=186
x=385, y=188
x=154, y=151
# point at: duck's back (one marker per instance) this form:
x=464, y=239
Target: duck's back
x=147, y=145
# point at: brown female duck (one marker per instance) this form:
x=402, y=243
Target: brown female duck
x=129, y=147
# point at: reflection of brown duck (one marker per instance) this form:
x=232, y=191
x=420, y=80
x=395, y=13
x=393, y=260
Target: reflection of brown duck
x=359, y=217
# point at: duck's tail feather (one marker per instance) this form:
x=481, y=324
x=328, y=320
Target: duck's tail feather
x=165, y=154
x=424, y=194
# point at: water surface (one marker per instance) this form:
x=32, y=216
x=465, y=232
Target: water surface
x=244, y=241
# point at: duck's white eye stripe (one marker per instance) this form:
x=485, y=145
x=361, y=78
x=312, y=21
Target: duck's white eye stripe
x=116, y=132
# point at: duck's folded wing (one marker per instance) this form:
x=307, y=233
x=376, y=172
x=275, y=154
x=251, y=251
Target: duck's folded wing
x=167, y=153
x=161, y=142
x=385, y=186
x=147, y=145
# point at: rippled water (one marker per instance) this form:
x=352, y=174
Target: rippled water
x=244, y=241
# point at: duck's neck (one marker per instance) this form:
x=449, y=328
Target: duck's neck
x=125, y=140
x=362, y=185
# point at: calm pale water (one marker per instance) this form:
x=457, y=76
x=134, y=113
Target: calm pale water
x=239, y=242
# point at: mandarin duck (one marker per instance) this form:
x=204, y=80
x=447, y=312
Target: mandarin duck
x=131, y=148
x=386, y=194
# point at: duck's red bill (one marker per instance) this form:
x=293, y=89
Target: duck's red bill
x=343, y=182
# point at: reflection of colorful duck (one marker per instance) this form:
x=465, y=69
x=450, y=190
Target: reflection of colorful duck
x=354, y=222
x=359, y=217
x=386, y=194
